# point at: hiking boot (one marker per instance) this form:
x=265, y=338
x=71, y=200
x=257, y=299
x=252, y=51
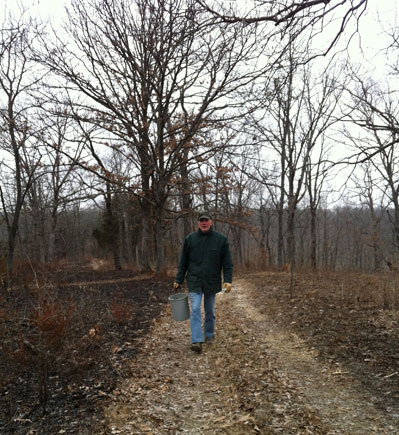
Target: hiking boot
x=209, y=340
x=196, y=347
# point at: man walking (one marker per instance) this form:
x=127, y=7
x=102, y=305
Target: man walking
x=204, y=256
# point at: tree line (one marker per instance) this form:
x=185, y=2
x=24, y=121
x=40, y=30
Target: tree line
x=116, y=128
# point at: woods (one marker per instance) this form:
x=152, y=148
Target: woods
x=119, y=121
x=116, y=128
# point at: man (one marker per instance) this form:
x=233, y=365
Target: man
x=204, y=255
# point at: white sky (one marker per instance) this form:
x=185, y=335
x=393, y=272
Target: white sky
x=366, y=48
x=380, y=16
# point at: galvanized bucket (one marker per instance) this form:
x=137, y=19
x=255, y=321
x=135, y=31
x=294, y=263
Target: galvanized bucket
x=179, y=304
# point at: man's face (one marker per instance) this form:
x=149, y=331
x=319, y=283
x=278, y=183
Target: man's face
x=204, y=224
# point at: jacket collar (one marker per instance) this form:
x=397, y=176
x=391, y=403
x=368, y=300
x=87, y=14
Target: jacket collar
x=208, y=233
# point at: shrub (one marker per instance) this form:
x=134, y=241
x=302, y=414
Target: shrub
x=121, y=309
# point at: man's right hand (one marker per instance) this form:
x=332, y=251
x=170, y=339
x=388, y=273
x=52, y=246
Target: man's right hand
x=176, y=285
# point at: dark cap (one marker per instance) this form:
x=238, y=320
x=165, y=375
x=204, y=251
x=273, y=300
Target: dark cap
x=204, y=215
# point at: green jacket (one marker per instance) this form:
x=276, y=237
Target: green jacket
x=203, y=257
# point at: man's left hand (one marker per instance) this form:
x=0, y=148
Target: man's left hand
x=227, y=287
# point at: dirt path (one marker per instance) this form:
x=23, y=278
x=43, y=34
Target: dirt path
x=255, y=378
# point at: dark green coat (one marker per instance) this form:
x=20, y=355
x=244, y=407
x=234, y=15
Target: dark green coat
x=202, y=260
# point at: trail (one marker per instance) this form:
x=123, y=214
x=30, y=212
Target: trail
x=255, y=378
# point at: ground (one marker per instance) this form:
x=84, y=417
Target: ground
x=65, y=342
x=323, y=362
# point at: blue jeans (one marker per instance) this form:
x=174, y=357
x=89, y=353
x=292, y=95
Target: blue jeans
x=196, y=318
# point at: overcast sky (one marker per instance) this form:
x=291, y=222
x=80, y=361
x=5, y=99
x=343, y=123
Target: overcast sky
x=367, y=47
x=380, y=17
x=379, y=11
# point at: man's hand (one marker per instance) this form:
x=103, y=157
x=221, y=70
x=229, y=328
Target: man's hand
x=227, y=287
x=176, y=285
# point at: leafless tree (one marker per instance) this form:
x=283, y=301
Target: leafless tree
x=20, y=161
x=236, y=192
x=293, y=128
x=371, y=195
x=141, y=67
x=292, y=18
x=375, y=111
x=316, y=176
x=60, y=184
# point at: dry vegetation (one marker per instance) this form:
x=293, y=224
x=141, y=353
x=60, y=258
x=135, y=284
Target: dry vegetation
x=100, y=352
x=267, y=372
x=351, y=319
x=63, y=340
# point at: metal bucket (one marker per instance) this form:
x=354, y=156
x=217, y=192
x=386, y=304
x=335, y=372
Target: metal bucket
x=179, y=304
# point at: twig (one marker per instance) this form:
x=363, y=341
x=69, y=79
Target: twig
x=390, y=376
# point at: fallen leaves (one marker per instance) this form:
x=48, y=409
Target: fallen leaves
x=99, y=350
x=233, y=387
x=238, y=386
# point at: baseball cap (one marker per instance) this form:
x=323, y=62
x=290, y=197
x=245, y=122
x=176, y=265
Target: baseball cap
x=204, y=215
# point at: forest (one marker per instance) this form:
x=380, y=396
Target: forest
x=121, y=123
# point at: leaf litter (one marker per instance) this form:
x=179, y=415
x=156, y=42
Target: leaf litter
x=261, y=375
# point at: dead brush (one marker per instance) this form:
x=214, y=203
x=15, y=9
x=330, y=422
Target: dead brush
x=6, y=376
x=121, y=309
x=379, y=290
x=41, y=345
x=3, y=274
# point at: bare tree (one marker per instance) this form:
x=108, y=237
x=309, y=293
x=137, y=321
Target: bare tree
x=375, y=110
x=20, y=157
x=292, y=18
x=373, y=198
x=59, y=186
x=142, y=67
x=235, y=191
x=292, y=127
x=316, y=175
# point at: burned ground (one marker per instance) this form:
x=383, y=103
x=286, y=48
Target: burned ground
x=64, y=343
x=352, y=320
x=324, y=362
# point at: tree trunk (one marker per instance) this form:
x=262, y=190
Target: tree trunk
x=113, y=228
x=291, y=242
x=160, y=240
x=313, y=238
x=280, y=236
x=186, y=196
x=145, y=245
